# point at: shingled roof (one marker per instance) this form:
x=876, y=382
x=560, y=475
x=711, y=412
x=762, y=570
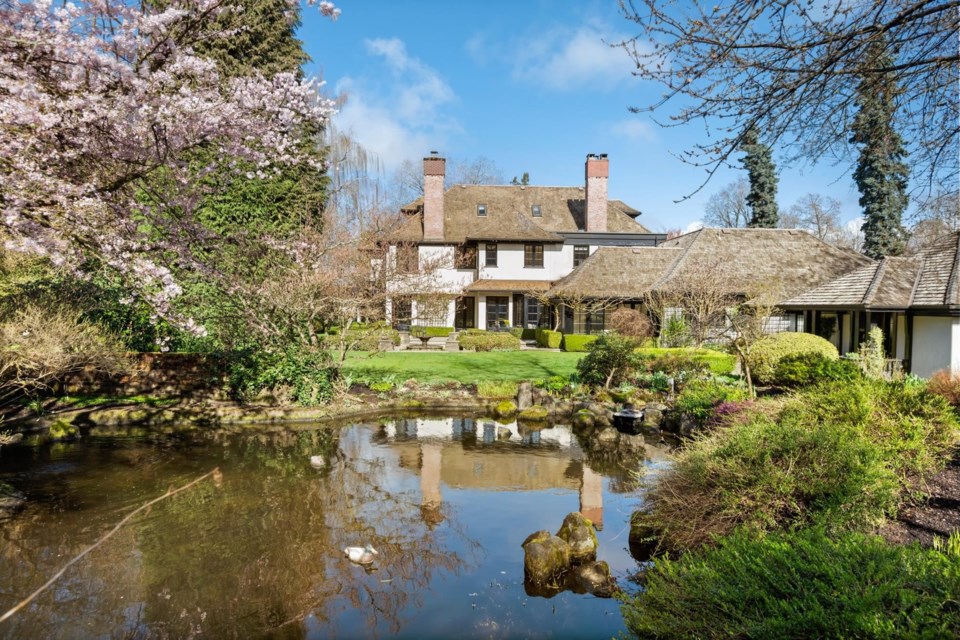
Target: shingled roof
x=509, y=214
x=926, y=280
x=794, y=260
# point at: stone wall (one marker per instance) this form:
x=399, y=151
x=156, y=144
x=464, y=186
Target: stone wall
x=154, y=374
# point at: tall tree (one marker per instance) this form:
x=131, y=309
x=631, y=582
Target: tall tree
x=728, y=207
x=791, y=70
x=820, y=215
x=881, y=173
x=762, y=174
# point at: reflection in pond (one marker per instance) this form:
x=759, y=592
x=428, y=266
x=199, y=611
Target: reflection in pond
x=446, y=503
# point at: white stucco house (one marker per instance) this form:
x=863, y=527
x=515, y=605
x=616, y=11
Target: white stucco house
x=480, y=256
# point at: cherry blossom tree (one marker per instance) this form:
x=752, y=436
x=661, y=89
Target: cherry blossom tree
x=102, y=103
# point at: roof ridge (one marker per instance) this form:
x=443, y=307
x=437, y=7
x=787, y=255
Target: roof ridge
x=875, y=282
x=673, y=267
x=951, y=293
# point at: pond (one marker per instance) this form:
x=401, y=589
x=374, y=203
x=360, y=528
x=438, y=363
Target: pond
x=257, y=550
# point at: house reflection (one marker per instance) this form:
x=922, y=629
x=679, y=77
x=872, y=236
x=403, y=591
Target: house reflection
x=464, y=453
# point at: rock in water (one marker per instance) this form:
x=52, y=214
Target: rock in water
x=577, y=531
x=595, y=578
x=524, y=396
x=545, y=559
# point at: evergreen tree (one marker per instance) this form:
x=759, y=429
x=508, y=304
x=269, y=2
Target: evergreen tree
x=881, y=173
x=762, y=198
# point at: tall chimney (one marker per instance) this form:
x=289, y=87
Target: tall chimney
x=595, y=209
x=434, y=170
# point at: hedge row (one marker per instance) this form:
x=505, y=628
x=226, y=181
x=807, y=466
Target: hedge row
x=547, y=339
x=478, y=340
x=577, y=341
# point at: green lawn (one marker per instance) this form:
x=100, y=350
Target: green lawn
x=465, y=367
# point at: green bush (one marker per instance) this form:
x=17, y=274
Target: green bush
x=547, y=339
x=840, y=456
x=497, y=390
x=431, y=332
x=811, y=367
x=800, y=585
x=675, y=361
x=610, y=361
x=768, y=351
x=488, y=341
x=675, y=333
x=303, y=375
x=555, y=384
x=699, y=397
x=505, y=408
x=577, y=341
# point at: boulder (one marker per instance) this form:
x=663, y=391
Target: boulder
x=653, y=415
x=536, y=413
x=577, y=531
x=632, y=443
x=503, y=433
x=545, y=559
x=688, y=425
x=594, y=578
x=524, y=396
x=608, y=435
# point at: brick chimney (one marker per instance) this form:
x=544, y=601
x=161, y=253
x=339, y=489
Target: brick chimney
x=595, y=207
x=434, y=170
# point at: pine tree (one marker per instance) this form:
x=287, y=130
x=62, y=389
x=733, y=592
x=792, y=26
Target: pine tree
x=762, y=198
x=881, y=173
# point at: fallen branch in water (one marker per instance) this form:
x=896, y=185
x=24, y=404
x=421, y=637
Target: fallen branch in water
x=170, y=492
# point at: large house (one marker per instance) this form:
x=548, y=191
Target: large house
x=915, y=301
x=479, y=256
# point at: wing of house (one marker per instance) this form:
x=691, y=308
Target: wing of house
x=486, y=254
x=914, y=300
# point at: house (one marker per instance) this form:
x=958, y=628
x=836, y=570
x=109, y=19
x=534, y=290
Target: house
x=741, y=261
x=914, y=300
x=483, y=256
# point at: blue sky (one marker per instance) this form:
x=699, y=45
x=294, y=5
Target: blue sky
x=530, y=85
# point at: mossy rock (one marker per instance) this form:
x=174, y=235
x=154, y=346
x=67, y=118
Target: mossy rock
x=577, y=531
x=411, y=404
x=506, y=408
x=545, y=560
x=63, y=430
x=536, y=413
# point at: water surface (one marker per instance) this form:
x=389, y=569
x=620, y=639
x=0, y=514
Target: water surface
x=257, y=551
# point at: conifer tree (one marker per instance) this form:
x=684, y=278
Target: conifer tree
x=881, y=173
x=762, y=173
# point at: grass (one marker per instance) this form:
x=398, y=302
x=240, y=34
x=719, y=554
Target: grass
x=463, y=367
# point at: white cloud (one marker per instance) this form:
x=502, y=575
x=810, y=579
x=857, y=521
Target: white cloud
x=854, y=224
x=398, y=114
x=694, y=226
x=633, y=129
x=565, y=60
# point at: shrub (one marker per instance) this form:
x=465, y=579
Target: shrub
x=577, y=341
x=769, y=350
x=699, y=397
x=547, y=339
x=631, y=323
x=946, y=384
x=610, y=360
x=811, y=367
x=505, y=408
x=41, y=347
x=657, y=381
x=675, y=333
x=497, y=390
x=488, y=341
x=381, y=387
x=555, y=384
x=872, y=359
x=680, y=366
x=800, y=585
x=302, y=375
x=432, y=332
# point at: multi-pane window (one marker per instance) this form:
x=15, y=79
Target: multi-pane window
x=491, y=260
x=482, y=210
x=533, y=255
x=580, y=253
x=498, y=308
x=533, y=313
x=536, y=211
x=465, y=256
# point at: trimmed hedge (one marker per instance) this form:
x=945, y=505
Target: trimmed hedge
x=479, y=340
x=547, y=339
x=577, y=341
x=768, y=351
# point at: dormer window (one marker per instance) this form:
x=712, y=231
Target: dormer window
x=536, y=211
x=481, y=211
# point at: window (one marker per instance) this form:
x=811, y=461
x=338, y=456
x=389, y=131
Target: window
x=402, y=313
x=491, y=260
x=498, y=308
x=588, y=321
x=535, y=210
x=580, y=253
x=533, y=313
x=533, y=255
x=465, y=256
x=466, y=312
x=481, y=211
x=408, y=258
